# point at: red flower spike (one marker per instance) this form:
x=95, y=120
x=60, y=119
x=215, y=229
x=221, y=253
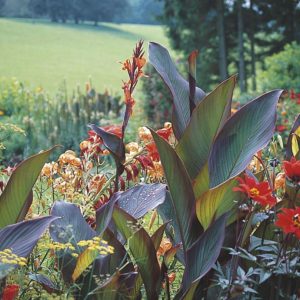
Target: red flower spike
x=122, y=183
x=259, y=192
x=10, y=292
x=128, y=174
x=289, y=221
x=135, y=170
x=292, y=169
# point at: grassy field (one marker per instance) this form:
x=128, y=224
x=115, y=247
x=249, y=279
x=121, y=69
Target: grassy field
x=40, y=53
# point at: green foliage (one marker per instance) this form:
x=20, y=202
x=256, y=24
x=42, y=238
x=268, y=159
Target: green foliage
x=282, y=69
x=50, y=120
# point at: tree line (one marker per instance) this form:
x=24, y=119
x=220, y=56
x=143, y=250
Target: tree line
x=232, y=35
x=133, y=11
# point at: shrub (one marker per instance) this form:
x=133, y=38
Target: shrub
x=282, y=69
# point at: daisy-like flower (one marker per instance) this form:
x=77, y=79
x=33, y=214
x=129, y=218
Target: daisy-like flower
x=259, y=192
x=292, y=169
x=289, y=221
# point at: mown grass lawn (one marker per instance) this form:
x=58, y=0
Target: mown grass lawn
x=40, y=53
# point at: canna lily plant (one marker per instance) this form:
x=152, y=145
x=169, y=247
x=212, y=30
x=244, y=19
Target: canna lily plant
x=199, y=205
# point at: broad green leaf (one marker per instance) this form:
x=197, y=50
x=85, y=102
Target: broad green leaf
x=142, y=249
x=17, y=195
x=181, y=191
x=160, y=58
x=21, y=238
x=201, y=182
x=245, y=133
x=207, y=118
x=203, y=254
x=215, y=202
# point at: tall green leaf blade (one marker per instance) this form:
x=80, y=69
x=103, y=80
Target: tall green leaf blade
x=246, y=132
x=15, y=199
x=203, y=254
x=207, y=118
x=142, y=249
x=181, y=191
x=160, y=58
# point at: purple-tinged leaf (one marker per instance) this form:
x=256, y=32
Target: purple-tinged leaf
x=70, y=228
x=111, y=141
x=142, y=198
x=160, y=58
x=104, y=213
x=207, y=119
x=142, y=249
x=17, y=195
x=45, y=282
x=181, y=191
x=245, y=133
x=21, y=238
x=203, y=254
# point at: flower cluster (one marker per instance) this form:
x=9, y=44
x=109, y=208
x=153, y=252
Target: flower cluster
x=8, y=257
x=97, y=244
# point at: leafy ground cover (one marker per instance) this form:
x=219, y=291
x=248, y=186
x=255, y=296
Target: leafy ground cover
x=206, y=207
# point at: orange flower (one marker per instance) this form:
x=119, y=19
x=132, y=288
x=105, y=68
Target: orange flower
x=165, y=245
x=292, y=169
x=259, y=192
x=97, y=183
x=289, y=221
x=140, y=62
x=280, y=181
x=10, y=292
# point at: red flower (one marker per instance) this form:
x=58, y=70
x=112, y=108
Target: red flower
x=10, y=292
x=292, y=94
x=289, y=221
x=292, y=169
x=260, y=192
x=281, y=128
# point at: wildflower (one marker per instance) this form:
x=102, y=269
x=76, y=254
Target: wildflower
x=49, y=169
x=97, y=183
x=144, y=134
x=165, y=245
x=10, y=292
x=157, y=172
x=292, y=169
x=289, y=221
x=280, y=181
x=258, y=192
x=132, y=147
